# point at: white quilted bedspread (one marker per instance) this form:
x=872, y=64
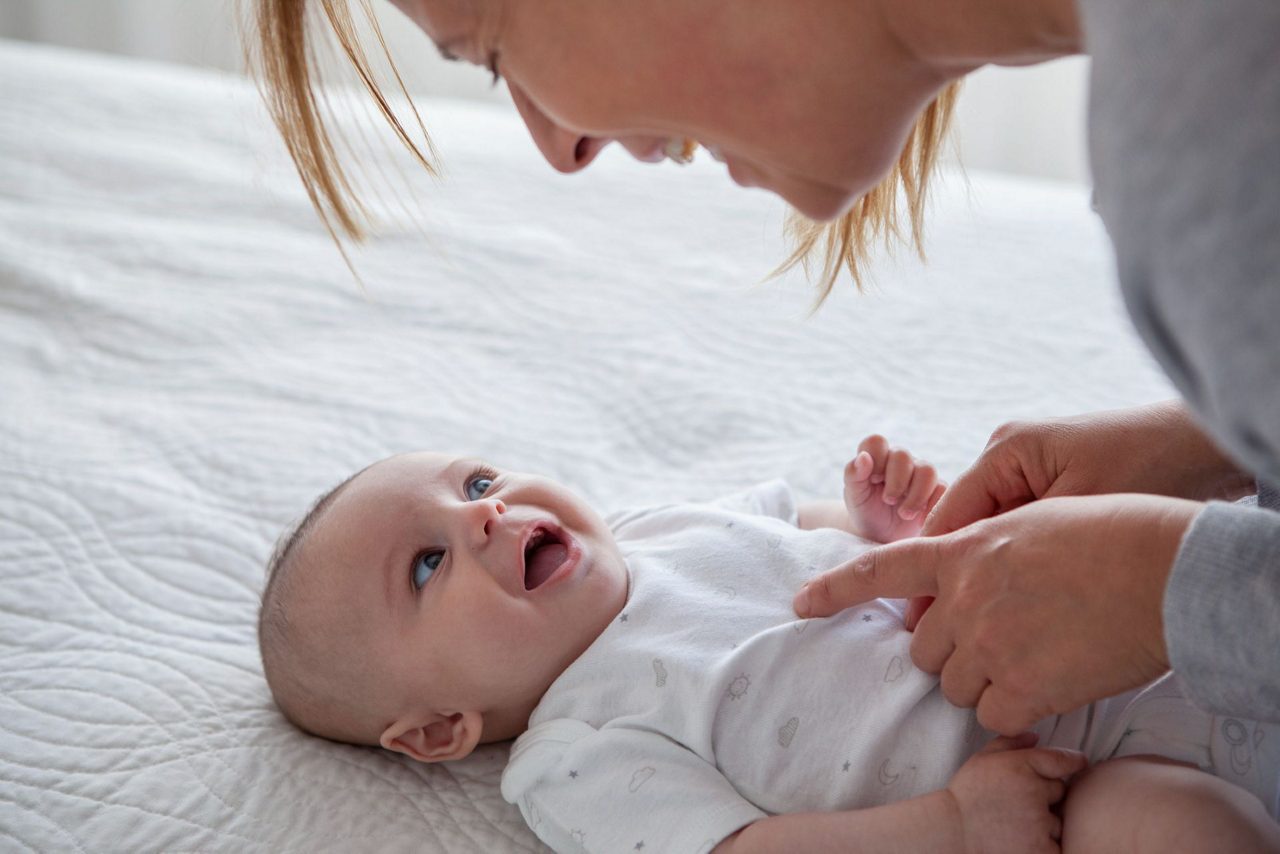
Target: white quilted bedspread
x=185, y=363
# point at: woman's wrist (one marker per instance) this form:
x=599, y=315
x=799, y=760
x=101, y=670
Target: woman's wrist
x=1207, y=472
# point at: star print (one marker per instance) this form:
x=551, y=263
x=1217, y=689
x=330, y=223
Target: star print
x=622, y=619
x=573, y=774
x=639, y=845
x=866, y=618
x=846, y=766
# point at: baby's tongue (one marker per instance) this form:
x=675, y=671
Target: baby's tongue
x=543, y=562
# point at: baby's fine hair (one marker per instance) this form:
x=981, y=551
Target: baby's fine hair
x=307, y=681
x=285, y=65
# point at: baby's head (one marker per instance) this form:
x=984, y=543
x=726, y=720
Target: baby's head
x=428, y=602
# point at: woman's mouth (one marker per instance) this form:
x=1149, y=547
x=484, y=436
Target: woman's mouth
x=657, y=149
x=681, y=150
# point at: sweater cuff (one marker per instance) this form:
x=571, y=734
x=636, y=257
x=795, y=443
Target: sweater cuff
x=1222, y=611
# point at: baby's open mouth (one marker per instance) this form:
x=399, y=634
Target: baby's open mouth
x=544, y=553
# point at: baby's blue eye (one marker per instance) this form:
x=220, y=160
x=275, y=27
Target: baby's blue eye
x=424, y=567
x=477, y=487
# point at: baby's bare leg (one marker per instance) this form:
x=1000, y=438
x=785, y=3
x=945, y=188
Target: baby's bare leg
x=1152, y=804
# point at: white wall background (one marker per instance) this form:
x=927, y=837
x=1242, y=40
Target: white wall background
x=1025, y=121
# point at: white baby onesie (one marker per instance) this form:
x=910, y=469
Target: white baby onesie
x=706, y=704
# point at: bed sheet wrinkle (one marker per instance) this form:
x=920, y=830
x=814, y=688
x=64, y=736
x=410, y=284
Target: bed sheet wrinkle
x=185, y=363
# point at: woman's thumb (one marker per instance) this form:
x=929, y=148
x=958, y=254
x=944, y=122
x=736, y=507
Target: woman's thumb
x=965, y=502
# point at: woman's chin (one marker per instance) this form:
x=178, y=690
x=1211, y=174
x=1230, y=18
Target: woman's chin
x=820, y=205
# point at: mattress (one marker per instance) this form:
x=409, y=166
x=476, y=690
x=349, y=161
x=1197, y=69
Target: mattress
x=186, y=362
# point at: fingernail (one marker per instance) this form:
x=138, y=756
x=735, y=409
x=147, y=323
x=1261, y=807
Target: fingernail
x=801, y=602
x=908, y=514
x=890, y=499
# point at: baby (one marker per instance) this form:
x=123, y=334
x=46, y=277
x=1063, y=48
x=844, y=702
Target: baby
x=666, y=698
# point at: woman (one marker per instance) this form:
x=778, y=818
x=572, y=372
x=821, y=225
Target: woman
x=1076, y=558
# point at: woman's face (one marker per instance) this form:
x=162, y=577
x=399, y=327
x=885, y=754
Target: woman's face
x=810, y=99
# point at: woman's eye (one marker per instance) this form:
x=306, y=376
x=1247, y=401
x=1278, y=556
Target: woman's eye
x=477, y=487
x=424, y=567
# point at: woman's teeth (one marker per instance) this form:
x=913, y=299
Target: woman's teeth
x=681, y=150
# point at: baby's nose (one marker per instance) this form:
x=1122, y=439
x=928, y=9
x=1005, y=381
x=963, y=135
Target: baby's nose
x=486, y=513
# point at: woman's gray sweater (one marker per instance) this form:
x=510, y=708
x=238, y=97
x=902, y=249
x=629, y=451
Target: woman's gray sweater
x=1184, y=129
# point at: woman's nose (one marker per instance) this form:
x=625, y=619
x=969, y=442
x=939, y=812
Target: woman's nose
x=565, y=150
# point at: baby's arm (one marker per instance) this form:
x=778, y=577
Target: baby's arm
x=997, y=803
x=887, y=495
x=926, y=823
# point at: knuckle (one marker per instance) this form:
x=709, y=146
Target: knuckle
x=987, y=646
x=868, y=570
x=923, y=657
x=951, y=689
x=820, y=594
x=969, y=543
x=1006, y=430
x=1018, y=680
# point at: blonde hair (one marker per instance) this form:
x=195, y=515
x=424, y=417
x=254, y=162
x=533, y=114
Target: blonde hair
x=286, y=63
x=847, y=241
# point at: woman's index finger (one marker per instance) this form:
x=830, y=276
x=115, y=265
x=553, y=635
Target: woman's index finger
x=896, y=571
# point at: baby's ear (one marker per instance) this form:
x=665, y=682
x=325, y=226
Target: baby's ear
x=435, y=737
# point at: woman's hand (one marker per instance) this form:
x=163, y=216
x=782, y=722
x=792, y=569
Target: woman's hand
x=1156, y=449
x=1004, y=793
x=1039, y=610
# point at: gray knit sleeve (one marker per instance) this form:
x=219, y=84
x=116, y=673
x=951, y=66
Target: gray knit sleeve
x=1186, y=163
x=1268, y=496
x=1222, y=609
